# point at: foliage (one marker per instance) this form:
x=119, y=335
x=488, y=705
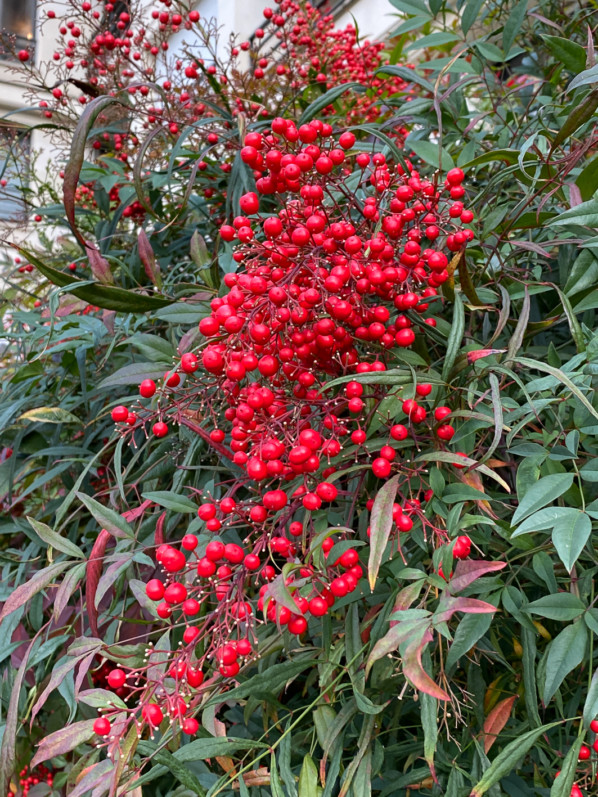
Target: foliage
x=443, y=670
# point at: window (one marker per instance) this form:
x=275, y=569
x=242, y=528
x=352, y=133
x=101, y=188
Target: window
x=14, y=168
x=17, y=19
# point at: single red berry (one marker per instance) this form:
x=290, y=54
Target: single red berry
x=147, y=388
x=152, y=713
x=116, y=678
x=102, y=726
x=190, y=726
x=584, y=753
x=120, y=414
x=154, y=589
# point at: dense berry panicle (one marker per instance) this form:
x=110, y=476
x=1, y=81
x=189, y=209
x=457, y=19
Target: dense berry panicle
x=340, y=254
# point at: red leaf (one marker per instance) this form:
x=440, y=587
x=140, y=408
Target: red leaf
x=496, y=721
x=100, y=268
x=469, y=570
x=146, y=255
x=133, y=514
x=414, y=671
x=93, y=573
x=472, y=356
x=159, y=533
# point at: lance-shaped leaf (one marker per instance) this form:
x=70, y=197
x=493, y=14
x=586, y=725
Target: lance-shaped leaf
x=380, y=526
x=413, y=669
x=449, y=605
x=35, y=584
x=394, y=637
x=496, y=721
x=508, y=757
x=63, y=741
x=92, y=577
x=469, y=570
x=55, y=540
x=566, y=652
x=100, y=267
x=148, y=259
x=8, y=747
x=110, y=297
x=108, y=519
x=77, y=154
x=99, y=774
x=563, y=782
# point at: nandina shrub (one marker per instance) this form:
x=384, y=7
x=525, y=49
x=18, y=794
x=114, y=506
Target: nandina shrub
x=433, y=613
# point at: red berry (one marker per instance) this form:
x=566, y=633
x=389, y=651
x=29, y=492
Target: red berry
x=584, y=753
x=147, y=388
x=116, y=678
x=102, y=726
x=152, y=713
x=120, y=414
x=154, y=589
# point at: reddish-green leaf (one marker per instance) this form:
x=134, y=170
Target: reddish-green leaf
x=63, y=741
x=380, y=526
x=36, y=583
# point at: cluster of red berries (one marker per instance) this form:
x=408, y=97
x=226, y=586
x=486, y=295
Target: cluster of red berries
x=334, y=284
x=28, y=779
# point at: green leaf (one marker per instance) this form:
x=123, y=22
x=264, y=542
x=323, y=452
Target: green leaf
x=544, y=520
x=200, y=749
x=585, y=215
x=562, y=606
x=513, y=25
x=333, y=94
x=589, y=471
x=563, y=782
x=566, y=652
x=470, y=14
x=106, y=517
x=106, y=296
x=569, y=537
x=431, y=153
x=49, y=415
x=545, y=490
x=566, y=52
x=172, y=763
x=155, y=348
x=308, y=778
x=171, y=500
x=585, y=78
x=506, y=760
x=455, y=337
x=55, y=540
x=469, y=631
x=132, y=374
x=410, y=75
x=590, y=708
x=380, y=526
